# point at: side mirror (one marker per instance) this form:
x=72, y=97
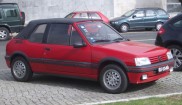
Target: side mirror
x=79, y=44
x=134, y=16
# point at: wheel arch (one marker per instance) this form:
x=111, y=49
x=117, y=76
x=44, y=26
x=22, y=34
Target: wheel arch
x=115, y=61
x=18, y=54
x=7, y=27
x=126, y=24
x=173, y=42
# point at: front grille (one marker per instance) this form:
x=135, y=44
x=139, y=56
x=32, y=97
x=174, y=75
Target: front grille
x=157, y=59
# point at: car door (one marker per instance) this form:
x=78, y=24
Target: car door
x=60, y=55
x=136, y=20
x=150, y=19
x=35, y=48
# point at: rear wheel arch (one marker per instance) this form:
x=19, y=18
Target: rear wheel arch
x=18, y=54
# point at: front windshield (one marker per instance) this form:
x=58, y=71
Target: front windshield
x=129, y=13
x=98, y=32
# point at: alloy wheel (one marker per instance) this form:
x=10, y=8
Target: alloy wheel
x=3, y=34
x=112, y=79
x=177, y=54
x=19, y=69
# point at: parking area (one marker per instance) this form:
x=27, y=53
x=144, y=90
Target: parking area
x=56, y=90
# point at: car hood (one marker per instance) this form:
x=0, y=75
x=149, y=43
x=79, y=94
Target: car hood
x=134, y=48
x=117, y=19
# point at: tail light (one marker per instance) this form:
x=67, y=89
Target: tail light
x=20, y=14
x=161, y=31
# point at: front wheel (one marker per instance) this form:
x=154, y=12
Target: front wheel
x=177, y=55
x=21, y=70
x=113, y=79
x=124, y=28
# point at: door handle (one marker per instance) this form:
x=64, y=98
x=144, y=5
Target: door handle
x=47, y=49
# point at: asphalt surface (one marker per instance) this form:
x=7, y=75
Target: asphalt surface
x=55, y=90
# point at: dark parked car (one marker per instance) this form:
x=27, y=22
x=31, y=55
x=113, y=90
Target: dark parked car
x=148, y=18
x=85, y=49
x=170, y=36
x=88, y=15
x=11, y=20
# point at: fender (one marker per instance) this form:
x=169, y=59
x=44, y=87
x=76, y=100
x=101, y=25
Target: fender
x=113, y=59
x=17, y=53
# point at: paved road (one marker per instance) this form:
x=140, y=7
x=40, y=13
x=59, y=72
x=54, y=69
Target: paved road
x=54, y=90
x=141, y=36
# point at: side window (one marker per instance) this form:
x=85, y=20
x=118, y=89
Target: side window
x=59, y=34
x=11, y=13
x=150, y=13
x=178, y=24
x=81, y=15
x=1, y=14
x=140, y=14
x=161, y=12
x=70, y=15
x=75, y=37
x=37, y=35
x=94, y=16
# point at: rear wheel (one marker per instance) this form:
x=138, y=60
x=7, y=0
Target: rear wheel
x=158, y=26
x=4, y=33
x=21, y=70
x=177, y=55
x=113, y=79
x=124, y=28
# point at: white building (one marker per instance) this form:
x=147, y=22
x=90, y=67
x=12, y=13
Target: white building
x=38, y=9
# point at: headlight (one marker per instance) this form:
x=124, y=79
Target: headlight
x=142, y=61
x=115, y=22
x=169, y=55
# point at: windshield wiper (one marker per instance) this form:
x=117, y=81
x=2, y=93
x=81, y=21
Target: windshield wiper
x=118, y=39
x=102, y=41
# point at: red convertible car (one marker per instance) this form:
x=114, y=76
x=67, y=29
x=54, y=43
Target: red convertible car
x=70, y=47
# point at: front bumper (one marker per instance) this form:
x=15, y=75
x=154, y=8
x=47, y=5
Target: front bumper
x=135, y=73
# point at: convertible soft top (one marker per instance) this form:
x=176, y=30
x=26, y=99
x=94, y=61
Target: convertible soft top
x=32, y=24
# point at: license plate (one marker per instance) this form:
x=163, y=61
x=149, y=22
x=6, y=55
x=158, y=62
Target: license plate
x=161, y=69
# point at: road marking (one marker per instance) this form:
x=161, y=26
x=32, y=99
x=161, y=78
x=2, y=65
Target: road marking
x=143, y=40
x=130, y=99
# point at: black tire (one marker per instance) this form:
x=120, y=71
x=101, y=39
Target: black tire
x=124, y=28
x=158, y=26
x=176, y=50
x=113, y=71
x=4, y=34
x=20, y=66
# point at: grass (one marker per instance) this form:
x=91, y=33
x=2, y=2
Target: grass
x=171, y=100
